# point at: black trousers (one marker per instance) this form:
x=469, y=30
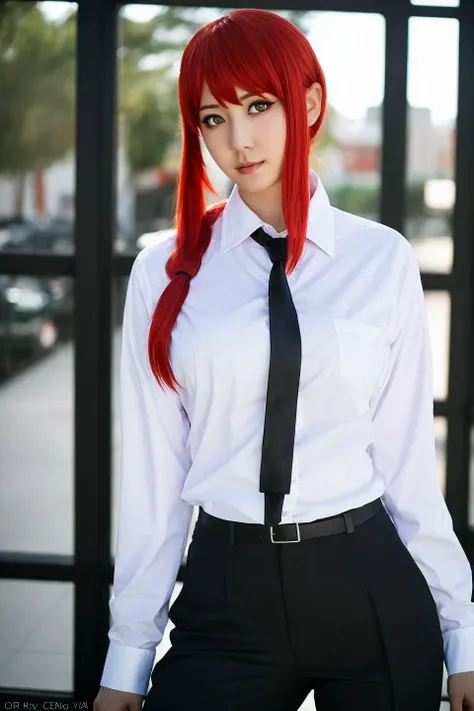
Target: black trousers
x=257, y=627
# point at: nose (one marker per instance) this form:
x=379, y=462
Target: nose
x=241, y=136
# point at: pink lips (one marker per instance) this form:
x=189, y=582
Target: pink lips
x=250, y=168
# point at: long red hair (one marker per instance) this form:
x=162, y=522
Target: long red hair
x=259, y=52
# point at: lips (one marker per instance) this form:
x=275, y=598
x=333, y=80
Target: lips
x=249, y=167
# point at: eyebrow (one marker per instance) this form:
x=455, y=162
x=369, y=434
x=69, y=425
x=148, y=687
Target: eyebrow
x=216, y=106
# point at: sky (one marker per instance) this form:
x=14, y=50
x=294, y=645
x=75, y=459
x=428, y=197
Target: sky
x=354, y=67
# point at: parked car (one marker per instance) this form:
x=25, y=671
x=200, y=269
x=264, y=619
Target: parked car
x=19, y=233
x=27, y=325
x=57, y=236
x=60, y=291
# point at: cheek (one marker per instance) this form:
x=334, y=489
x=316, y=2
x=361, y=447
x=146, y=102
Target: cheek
x=215, y=142
x=275, y=132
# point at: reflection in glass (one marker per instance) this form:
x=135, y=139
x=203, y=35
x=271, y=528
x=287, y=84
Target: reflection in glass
x=438, y=306
x=37, y=126
x=431, y=140
x=36, y=418
x=36, y=635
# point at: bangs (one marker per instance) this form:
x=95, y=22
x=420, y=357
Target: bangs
x=236, y=63
x=226, y=59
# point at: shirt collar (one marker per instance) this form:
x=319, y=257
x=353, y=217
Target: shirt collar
x=239, y=221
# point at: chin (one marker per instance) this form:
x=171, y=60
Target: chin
x=252, y=184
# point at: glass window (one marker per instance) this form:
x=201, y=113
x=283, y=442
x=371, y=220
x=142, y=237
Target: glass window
x=431, y=126
x=438, y=305
x=37, y=173
x=36, y=414
x=151, y=42
x=347, y=156
x=37, y=126
x=36, y=635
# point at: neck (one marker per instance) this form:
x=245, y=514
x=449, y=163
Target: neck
x=267, y=206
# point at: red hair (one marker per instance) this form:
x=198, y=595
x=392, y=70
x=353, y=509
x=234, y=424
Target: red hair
x=259, y=52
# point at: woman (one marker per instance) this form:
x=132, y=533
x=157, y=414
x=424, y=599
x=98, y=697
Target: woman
x=375, y=592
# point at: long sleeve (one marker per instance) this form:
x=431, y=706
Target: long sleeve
x=403, y=452
x=153, y=520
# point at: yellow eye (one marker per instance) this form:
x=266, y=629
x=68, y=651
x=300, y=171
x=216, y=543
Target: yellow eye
x=266, y=104
x=214, y=117
x=208, y=118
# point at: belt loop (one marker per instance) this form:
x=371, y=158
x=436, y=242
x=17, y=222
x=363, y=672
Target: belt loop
x=231, y=532
x=348, y=521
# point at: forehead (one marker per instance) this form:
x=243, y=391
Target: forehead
x=206, y=92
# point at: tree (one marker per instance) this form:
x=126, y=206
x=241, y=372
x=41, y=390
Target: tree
x=147, y=97
x=37, y=86
x=37, y=122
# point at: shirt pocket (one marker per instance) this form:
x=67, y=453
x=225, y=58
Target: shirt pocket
x=363, y=358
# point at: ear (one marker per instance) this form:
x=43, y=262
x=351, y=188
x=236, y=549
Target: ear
x=313, y=102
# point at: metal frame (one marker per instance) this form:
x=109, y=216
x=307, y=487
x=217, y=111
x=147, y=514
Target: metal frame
x=94, y=266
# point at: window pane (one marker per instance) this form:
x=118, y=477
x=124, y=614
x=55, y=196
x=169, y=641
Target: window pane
x=348, y=155
x=148, y=117
x=36, y=414
x=37, y=126
x=438, y=305
x=36, y=635
x=432, y=114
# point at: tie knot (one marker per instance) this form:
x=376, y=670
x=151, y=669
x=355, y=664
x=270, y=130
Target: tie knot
x=276, y=247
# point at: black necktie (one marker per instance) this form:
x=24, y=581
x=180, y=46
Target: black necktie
x=283, y=382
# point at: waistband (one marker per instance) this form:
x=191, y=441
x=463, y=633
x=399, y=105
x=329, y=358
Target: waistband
x=237, y=532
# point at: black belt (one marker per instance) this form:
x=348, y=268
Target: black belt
x=238, y=532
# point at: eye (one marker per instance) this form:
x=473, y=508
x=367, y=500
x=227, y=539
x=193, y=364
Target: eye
x=261, y=103
x=265, y=104
x=206, y=120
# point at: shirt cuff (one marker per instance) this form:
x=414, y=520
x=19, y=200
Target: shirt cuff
x=459, y=650
x=128, y=668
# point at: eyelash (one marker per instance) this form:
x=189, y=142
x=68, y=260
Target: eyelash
x=255, y=103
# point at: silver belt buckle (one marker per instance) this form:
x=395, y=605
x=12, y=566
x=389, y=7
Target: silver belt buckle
x=295, y=540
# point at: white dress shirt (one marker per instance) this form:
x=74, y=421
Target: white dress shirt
x=364, y=426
